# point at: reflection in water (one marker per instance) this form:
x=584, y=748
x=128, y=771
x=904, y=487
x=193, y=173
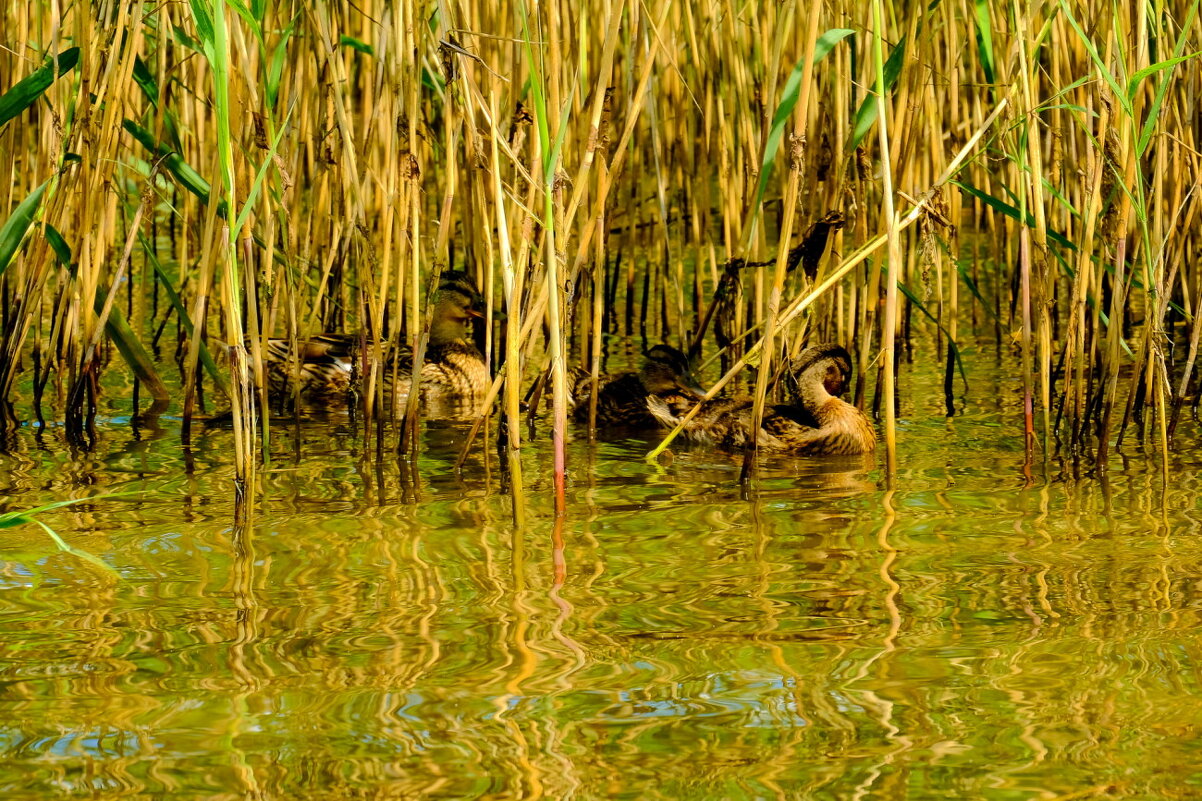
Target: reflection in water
x=382, y=630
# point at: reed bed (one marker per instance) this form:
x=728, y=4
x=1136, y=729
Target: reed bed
x=189, y=179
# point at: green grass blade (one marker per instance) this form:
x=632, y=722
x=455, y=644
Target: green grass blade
x=356, y=45
x=59, y=245
x=962, y=269
x=204, y=21
x=177, y=303
x=181, y=36
x=273, y=70
x=248, y=16
x=1138, y=78
x=144, y=78
x=77, y=552
x=257, y=186
x=784, y=109
x=131, y=349
x=918, y=304
x=7, y=517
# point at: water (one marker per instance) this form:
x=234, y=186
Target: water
x=987, y=630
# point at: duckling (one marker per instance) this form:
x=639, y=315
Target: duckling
x=622, y=397
x=818, y=423
x=453, y=368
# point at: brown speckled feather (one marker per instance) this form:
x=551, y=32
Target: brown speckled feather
x=325, y=368
x=622, y=398
x=817, y=424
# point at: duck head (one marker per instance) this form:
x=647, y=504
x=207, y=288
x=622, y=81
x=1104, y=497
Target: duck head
x=826, y=366
x=456, y=304
x=667, y=370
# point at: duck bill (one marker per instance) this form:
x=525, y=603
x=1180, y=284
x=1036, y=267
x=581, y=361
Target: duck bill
x=690, y=385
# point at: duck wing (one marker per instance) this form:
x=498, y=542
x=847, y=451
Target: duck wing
x=621, y=401
x=451, y=369
x=785, y=427
x=721, y=421
x=843, y=430
x=580, y=386
x=319, y=365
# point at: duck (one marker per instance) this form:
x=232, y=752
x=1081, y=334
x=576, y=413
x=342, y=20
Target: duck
x=817, y=423
x=622, y=397
x=453, y=368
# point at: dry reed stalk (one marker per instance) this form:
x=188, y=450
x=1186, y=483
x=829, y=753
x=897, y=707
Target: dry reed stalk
x=1037, y=271
x=379, y=175
x=512, y=281
x=796, y=152
x=893, y=259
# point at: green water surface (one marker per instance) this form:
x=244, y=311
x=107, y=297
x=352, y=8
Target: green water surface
x=987, y=630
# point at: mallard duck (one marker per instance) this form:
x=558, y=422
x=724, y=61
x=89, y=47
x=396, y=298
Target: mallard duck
x=817, y=423
x=453, y=367
x=622, y=397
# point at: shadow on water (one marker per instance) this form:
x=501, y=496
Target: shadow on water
x=382, y=630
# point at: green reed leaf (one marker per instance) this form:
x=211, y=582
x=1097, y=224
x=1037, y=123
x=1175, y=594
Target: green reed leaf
x=204, y=21
x=131, y=349
x=788, y=101
x=918, y=304
x=189, y=178
x=1099, y=63
x=26, y=516
x=260, y=174
x=14, y=228
x=984, y=39
x=177, y=303
x=784, y=109
x=1135, y=80
x=144, y=78
x=1153, y=112
x=26, y=91
x=253, y=21
x=1011, y=211
x=866, y=113
x=23, y=515
x=355, y=44
x=181, y=36
x=118, y=329
x=827, y=41
x=274, y=69
x=59, y=245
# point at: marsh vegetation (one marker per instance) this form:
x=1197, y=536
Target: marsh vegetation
x=189, y=180
x=987, y=211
